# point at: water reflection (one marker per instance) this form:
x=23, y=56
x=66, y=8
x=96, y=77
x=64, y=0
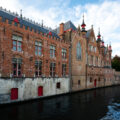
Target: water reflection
x=101, y=104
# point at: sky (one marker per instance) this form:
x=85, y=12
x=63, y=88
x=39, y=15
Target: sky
x=99, y=13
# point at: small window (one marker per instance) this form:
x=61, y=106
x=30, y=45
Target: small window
x=63, y=69
x=78, y=82
x=52, y=69
x=17, y=43
x=64, y=51
x=58, y=85
x=52, y=51
x=17, y=67
x=38, y=68
x=90, y=79
x=38, y=48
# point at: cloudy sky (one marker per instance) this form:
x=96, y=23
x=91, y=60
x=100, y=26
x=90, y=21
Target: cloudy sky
x=99, y=13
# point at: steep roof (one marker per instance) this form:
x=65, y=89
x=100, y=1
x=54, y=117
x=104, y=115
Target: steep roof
x=88, y=33
x=10, y=16
x=67, y=26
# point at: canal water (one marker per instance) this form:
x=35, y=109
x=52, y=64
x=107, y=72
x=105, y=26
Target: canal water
x=100, y=104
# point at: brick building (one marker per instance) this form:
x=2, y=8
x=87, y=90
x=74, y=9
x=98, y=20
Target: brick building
x=30, y=51
x=90, y=59
x=36, y=61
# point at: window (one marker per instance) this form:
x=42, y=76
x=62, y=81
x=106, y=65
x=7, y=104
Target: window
x=79, y=54
x=90, y=79
x=64, y=53
x=38, y=68
x=63, y=69
x=78, y=82
x=91, y=60
x=17, y=43
x=58, y=85
x=52, y=69
x=95, y=49
x=52, y=51
x=96, y=61
x=91, y=48
x=38, y=48
x=17, y=67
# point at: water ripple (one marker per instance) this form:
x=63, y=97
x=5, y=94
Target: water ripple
x=113, y=112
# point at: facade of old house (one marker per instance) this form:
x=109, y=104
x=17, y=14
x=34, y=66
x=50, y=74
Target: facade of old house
x=90, y=59
x=34, y=61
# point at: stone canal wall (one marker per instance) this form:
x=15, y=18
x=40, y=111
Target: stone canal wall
x=20, y=89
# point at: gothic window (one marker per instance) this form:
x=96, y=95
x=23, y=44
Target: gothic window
x=79, y=51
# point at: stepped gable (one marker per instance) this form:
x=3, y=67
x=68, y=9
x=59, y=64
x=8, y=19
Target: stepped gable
x=23, y=21
x=68, y=25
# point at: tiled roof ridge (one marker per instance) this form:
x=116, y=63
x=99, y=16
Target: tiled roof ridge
x=26, y=19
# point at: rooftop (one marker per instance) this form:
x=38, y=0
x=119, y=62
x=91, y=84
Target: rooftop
x=25, y=21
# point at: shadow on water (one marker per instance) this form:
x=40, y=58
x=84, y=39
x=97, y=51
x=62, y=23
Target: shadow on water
x=100, y=104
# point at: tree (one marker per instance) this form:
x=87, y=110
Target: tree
x=116, y=63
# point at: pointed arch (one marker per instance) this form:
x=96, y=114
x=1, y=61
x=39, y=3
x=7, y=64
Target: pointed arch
x=79, y=51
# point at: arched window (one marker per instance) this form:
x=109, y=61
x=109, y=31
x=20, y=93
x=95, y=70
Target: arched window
x=79, y=51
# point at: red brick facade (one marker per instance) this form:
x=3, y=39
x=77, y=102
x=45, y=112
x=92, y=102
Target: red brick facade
x=27, y=53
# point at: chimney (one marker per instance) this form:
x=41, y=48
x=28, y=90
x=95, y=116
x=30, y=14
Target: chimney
x=61, y=29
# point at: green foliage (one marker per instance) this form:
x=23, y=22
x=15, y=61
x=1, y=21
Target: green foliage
x=116, y=63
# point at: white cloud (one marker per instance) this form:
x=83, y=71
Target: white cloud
x=105, y=15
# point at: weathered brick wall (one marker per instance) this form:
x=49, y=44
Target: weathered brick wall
x=28, y=50
x=78, y=66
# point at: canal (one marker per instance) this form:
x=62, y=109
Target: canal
x=100, y=104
